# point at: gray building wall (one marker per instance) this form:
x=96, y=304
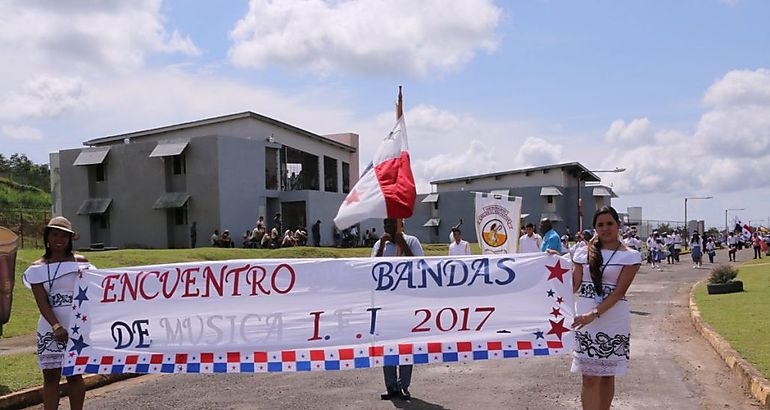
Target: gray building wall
x=225, y=178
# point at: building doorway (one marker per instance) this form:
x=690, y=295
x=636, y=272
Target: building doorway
x=294, y=215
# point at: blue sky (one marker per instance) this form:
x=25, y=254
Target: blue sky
x=676, y=92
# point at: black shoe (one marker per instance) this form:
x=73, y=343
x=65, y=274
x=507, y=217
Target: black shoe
x=405, y=394
x=390, y=395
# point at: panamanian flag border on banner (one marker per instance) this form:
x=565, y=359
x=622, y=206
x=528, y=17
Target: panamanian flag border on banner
x=386, y=188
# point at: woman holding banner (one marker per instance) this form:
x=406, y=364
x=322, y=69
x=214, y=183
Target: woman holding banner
x=602, y=273
x=52, y=280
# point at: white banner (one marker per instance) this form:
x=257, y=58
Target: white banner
x=318, y=314
x=498, y=223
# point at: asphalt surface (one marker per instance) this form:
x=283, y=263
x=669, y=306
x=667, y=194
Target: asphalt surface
x=672, y=367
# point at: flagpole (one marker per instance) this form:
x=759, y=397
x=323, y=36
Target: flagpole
x=399, y=114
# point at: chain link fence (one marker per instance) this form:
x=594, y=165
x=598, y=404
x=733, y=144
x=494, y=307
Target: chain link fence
x=645, y=227
x=27, y=223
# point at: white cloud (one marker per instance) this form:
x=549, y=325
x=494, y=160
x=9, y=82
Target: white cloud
x=740, y=88
x=728, y=149
x=42, y=97
x=85, y=35
x=634, y=133
x=21, y=132
x=537, y=151
x=366, y=36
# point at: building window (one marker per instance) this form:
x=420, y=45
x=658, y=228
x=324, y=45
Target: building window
x=180, y=215
x=345, y=177
x=180, y=168
x=299, y=170
x=545, y=171
x=330, y=174
x=549, y=199
x=271, y=168
x=100, y=173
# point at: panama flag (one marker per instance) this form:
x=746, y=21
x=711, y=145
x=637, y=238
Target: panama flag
x=386, y=188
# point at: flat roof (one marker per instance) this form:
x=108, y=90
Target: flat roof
x=215, y=120
x=570, y=166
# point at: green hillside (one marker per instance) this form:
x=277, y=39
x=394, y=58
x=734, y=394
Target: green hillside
x=14, y=195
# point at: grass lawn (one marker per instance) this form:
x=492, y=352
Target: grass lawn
x=19, y=371
x=741, y=318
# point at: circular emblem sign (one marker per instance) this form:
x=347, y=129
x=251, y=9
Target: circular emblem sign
x=494, y=233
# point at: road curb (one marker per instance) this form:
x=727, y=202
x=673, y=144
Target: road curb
x=750, y=377
x=34, y=395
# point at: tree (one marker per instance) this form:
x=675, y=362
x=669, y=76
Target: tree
x=664, y=227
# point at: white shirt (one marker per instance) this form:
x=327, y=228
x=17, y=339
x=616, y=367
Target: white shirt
x=462, y=248
x=528, y=244
x=732, y=240
x=677, y=241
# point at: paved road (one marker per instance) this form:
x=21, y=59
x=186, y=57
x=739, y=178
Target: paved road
x=672, y=367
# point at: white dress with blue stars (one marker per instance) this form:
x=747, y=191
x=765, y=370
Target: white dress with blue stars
x=58, y=279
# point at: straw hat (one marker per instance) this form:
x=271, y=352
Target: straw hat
x=63, y=224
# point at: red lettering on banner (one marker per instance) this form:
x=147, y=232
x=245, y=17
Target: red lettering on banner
x=198, y=282
x=189, y=280
x=141, y=284
x=107, y=285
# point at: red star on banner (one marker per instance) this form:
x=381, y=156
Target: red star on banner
x=352, y=197
x=557, y=272
x=557, y=328
x=556, y=312
x=559, y=300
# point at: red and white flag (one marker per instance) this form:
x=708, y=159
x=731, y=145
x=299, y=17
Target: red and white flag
x=386, y=188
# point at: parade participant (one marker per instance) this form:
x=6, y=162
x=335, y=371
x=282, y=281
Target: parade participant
x=530, y=241
x=392, y=243
x=551, y=241
x=677, y=238
x=732, y=246
x=602, y=273
x=710, y=249
x=52, y=279
x=696, y=248
x=458, y=246
x=756, y=242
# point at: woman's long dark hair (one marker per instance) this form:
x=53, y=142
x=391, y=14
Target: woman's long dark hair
x=47, y=255
x=595, y=259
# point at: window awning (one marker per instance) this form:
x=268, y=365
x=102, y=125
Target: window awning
x=553, y=216
x=168, y=149
x=171, y=200
x=524, y=216
x=94, y=206
x=432, y=222
x=431, y=198
x=550, y=191
x=92, y=156
x=603, y=191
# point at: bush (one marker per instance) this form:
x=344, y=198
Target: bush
x=723, y=274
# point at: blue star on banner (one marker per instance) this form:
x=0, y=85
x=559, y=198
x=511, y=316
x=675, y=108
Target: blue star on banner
x=538, y=335
x=75, y=329
x=81, y=297
x=78, y=344
x=551, y=293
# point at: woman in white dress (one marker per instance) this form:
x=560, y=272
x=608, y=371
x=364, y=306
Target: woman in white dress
x=602, y=273
x=52, y=279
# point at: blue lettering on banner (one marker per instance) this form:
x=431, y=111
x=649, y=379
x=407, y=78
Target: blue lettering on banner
x=420, y=273
x=123, y=334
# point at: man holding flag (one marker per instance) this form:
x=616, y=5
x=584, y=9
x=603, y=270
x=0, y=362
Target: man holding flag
x=386, y=190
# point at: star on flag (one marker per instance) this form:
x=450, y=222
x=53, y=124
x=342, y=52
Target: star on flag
x=557, y=328
x=557, y=272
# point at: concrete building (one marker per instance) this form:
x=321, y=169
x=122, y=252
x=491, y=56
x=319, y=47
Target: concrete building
x=552, y=191
x=145, y=188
